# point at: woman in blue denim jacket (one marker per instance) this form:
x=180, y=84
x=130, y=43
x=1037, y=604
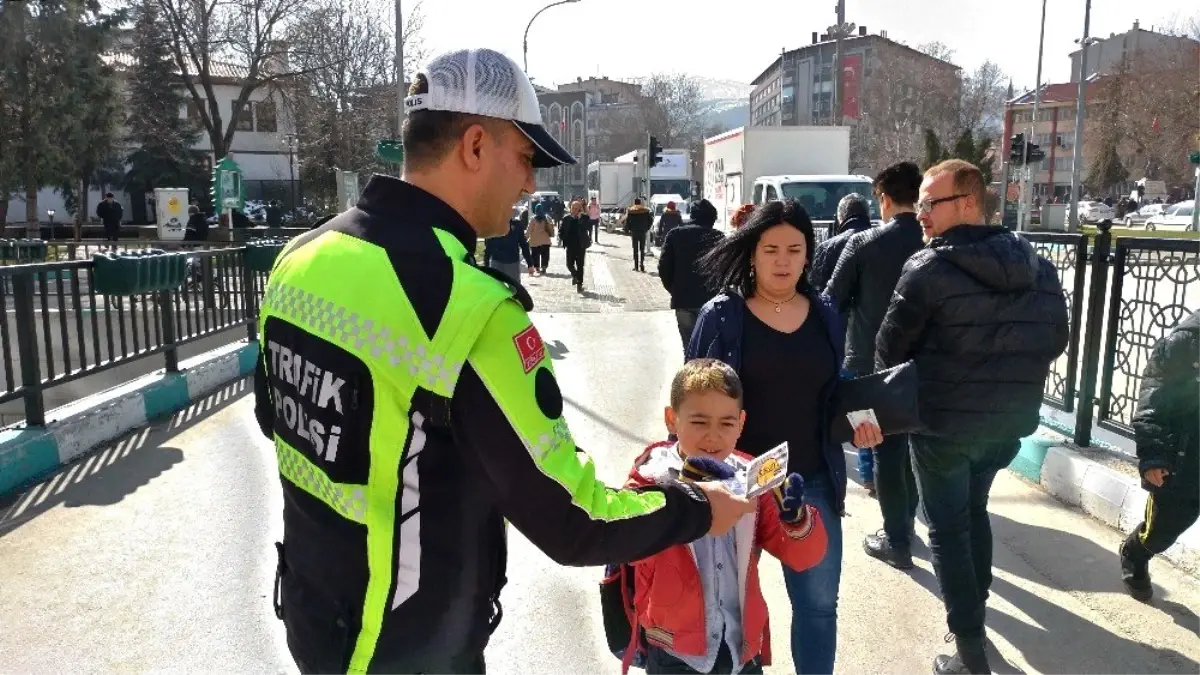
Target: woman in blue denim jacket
x=786, y=342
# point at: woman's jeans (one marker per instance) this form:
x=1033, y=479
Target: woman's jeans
x=814, y=592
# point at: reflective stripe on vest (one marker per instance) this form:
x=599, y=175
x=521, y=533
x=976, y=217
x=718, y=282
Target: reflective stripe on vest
x=376, y=322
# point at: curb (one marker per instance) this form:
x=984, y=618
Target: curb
x=1113, y=498
x=76, y=428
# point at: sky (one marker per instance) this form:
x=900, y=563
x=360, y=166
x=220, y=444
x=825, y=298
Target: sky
x=736, y=41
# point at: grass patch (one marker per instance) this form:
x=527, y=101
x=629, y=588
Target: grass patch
x=1118, y=232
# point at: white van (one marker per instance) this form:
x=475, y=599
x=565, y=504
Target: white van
x=818, y=194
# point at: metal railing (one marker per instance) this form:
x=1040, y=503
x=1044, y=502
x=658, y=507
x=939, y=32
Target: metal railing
x=1068, y=254
x=57, y=328
x=1114, y=325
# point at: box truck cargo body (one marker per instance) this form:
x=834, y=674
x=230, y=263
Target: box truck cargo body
x=734, y=159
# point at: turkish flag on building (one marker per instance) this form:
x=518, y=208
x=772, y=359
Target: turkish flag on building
x=851, y=71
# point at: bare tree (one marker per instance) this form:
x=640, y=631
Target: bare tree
x=673, y=109
x=344, y=95
x=984, y=93
x=215, y=39
x=905, y=96
x=1147, y=112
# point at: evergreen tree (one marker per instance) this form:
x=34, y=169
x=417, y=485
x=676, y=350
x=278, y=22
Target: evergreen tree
x=163, y=140
x=91, y=110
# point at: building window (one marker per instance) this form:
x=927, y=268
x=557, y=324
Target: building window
x=244, y=117
x=264, y=113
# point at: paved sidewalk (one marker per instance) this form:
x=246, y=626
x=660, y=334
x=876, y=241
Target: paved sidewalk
x=609, y=282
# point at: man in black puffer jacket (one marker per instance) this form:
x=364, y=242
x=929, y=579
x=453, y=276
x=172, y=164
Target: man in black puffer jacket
x=684, y=246
x=853, y=216
x=1168, y=450
x=983, y=317
x=861, y=286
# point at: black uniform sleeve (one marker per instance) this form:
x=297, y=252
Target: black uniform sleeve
x=507, y=414
x=666, y=262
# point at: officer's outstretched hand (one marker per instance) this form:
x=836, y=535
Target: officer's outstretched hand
x=727, y=508
x=790, y=497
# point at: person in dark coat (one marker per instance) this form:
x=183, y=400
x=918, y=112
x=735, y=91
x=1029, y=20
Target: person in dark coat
x=505, y=253
x=637, y=222
x=682, y=249
x=1168, y=450
x=274, y=214
x=669, y=220
x=853, y=216
x=575, y=239
x=861, y=286
x=982, y=317
x=110, y=212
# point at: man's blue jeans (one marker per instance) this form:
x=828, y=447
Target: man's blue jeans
x=954, y=477
x=814, y=592
x=866, y=464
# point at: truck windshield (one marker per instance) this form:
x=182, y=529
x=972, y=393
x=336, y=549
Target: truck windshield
x=820, y=199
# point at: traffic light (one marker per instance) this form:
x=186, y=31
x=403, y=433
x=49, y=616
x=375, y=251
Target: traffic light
x=1034, y=154
x=1016, y=149
x=655, y=152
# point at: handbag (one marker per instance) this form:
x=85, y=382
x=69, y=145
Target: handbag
x=891, y=393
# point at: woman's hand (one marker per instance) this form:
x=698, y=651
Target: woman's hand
x=867, y=435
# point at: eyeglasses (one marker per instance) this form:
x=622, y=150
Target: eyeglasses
x=927, y=205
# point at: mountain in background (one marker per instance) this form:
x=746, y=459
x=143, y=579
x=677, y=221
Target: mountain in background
x=729, y=103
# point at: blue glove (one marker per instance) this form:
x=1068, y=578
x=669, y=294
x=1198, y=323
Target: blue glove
x=790, y=497
x=701, y=469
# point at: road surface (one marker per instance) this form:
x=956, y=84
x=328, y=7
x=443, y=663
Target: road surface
x=156, y=553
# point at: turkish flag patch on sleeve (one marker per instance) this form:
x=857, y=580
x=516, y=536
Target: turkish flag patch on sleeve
x=530, y=347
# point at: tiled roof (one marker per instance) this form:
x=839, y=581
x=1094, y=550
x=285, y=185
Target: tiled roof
x=122, y=60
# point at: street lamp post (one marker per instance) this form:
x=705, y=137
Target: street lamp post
x=400, y=92
x=291, y=141
x=1025, y=218
x=1077, y=151
x=525, y=41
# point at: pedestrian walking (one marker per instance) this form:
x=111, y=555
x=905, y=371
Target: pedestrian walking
x=1168, y=450
x=669, y=220
x=540, y=234
x=505, y=253
x=110, y=212
x=785, y=342
x=576, y=240
x=861, y=285
x=853, y=216
x=405, y=448
x=680, y=590
x=677, y=266
x=982, y=317
x=593, y=214
x=637, y=222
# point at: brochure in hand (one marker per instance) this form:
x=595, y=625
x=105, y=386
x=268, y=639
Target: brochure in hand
x=760, y=474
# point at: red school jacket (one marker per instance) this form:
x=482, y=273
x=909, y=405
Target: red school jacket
x=669, y=597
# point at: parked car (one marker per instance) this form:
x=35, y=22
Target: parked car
x=1143, y=214
x=1175, y=217
x=1094, y=212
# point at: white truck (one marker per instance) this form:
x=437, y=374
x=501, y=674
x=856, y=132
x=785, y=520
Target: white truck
x=614, y=184
x=673, y=175
x=735, y=160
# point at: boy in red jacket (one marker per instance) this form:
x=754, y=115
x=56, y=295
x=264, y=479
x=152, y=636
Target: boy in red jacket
x=700, y=605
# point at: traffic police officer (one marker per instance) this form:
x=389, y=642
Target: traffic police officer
x=414, y=408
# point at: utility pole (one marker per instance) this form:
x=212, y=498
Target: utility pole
x=837, y=62
x=1025, y=219
x=1077, y=151
x=400, y=90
